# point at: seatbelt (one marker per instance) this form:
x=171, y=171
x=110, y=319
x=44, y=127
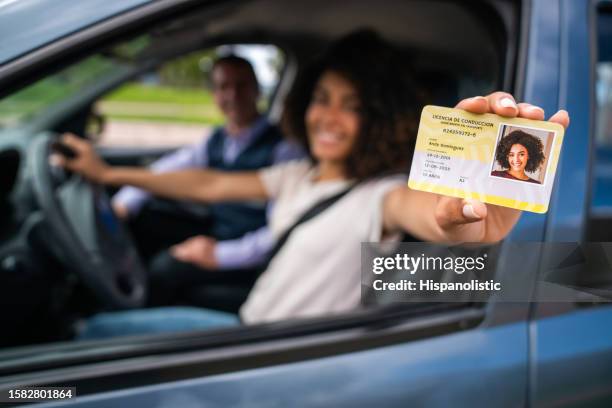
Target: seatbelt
x=312, y=212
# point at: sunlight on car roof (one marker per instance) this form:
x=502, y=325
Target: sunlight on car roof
x=15, y=15
x=4, y=3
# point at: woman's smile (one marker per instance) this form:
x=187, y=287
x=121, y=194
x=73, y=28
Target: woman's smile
x=518, y=157
x=332, y=118
x=329, y=138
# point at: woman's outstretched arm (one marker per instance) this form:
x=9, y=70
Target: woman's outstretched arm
x=196, y=184
x=438, y=218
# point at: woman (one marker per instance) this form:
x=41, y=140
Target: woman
x=518, y=152
x=357, y=115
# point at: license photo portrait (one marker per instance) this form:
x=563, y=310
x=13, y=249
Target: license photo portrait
x=522, y=154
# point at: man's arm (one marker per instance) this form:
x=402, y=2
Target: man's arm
x=248, y=251
x=286, y=151
x=252, y=249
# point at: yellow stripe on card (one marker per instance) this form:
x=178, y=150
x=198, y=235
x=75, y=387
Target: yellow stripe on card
x=486, y=198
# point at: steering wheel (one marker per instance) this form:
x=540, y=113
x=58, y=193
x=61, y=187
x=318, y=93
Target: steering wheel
x=91, y=241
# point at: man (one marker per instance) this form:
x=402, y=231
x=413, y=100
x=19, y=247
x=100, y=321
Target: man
x=235, y=236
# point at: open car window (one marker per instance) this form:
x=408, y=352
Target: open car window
x=56, y=94
x=35, y=100
x=172, y=105
x=163, y=87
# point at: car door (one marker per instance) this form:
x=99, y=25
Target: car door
x=571, y=360
x=459, y=355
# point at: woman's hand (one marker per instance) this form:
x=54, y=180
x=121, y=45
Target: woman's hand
x=453, y=212
x=203, y=185
x=86, y=162
x=438, y=218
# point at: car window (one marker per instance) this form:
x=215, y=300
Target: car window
x=32, y=101
x=173, y=105
x=48, y=94
x=138, y=106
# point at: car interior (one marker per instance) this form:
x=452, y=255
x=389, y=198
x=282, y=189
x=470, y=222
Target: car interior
x=64, y=256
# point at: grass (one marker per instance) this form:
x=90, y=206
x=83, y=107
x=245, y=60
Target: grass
x=131, y=102
x=135, y=92
x=166, y=119
x=140, y=95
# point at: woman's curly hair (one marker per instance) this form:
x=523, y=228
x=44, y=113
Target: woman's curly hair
x=534, y=147
x=389, y=106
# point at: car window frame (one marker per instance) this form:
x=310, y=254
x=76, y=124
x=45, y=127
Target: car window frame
x=69, y=49
x=208, y=353
x=275, y=98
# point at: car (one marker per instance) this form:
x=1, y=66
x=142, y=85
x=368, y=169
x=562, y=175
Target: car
x=64, y=256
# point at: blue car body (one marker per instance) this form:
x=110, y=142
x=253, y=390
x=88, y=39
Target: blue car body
x=503, y=354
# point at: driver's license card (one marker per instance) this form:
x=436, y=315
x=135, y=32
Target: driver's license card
x=497, y=160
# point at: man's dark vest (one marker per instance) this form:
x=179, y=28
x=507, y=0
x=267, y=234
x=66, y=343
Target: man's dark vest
x=233, y=220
